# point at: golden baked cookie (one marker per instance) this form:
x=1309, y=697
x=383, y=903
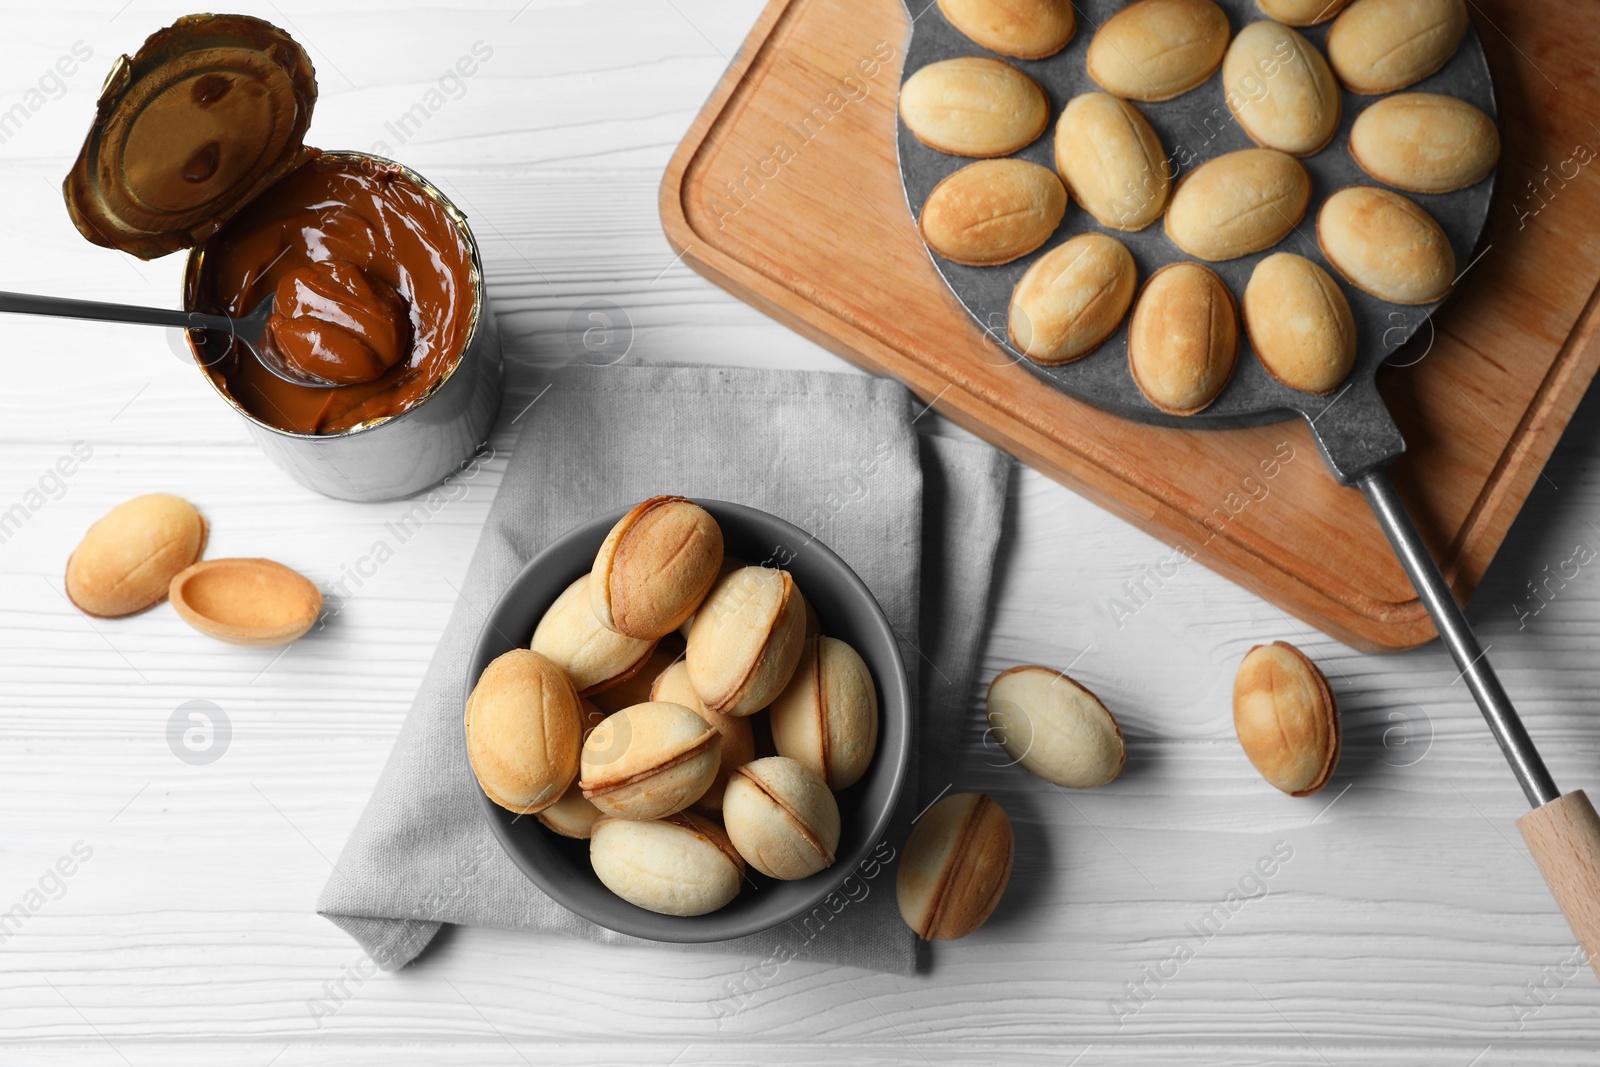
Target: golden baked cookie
x=1280, y=89
x=1386, y=245
x=1287, y=718
x=1299, y=323
x=1026, y=29
x=955, y=866
x=1112, y=161
x=523, y=729
x=1238, y=203
x=746, y=640
x=1158, y=49
x=129, y=556
x=993, y=211
x=1425, y=142
x=974, y=106
x=681, y=865
x=1378, y=46
x=1072, y=299
x=654, y=567
x=1183, y=339
x=649, y=761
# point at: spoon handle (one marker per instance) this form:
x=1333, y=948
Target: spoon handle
x=66, y=307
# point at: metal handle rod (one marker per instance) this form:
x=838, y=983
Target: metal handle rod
x=66, y=307
x=1458, y=638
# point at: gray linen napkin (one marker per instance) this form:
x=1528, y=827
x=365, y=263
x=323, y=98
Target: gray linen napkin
x=917, y=517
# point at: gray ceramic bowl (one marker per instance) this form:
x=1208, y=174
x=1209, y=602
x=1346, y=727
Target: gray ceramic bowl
x=846, y=609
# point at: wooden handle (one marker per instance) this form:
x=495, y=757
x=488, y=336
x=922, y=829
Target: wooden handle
x=1564, y=837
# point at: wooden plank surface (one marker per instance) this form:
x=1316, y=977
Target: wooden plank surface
x=1405, y=927
x=786, y=192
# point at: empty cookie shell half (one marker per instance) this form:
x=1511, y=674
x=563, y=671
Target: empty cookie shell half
x=253, y=602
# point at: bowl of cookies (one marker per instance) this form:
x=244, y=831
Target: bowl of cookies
x=677, y=739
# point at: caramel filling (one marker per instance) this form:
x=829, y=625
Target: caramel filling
x=594, y=789
x=335, y=322
x=373, y=277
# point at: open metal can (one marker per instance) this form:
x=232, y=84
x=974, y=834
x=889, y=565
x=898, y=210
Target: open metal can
x=204, y=125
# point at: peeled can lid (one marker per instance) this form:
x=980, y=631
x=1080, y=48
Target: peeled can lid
x=209, y=112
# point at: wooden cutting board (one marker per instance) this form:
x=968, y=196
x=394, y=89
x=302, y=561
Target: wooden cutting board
x=786, y=192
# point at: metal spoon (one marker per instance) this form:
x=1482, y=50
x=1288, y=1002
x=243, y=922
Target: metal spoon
x=248, y=330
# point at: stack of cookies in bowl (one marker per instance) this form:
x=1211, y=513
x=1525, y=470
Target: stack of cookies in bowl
x=682, y=712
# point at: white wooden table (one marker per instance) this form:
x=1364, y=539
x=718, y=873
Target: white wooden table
x=1405, y=929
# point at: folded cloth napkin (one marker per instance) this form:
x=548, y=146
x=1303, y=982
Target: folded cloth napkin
x=917, y=517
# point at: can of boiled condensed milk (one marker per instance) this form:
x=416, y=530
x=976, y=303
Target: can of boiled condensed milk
x=198, y=144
